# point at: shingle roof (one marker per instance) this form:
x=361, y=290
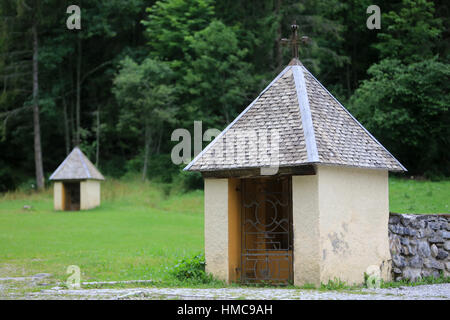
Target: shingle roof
x=76, y=167
x=312, y=126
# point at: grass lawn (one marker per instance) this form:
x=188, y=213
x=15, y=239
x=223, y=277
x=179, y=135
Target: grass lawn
x=137, y=232
x=412, y=196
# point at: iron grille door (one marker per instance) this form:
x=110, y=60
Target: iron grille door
x=267, y=230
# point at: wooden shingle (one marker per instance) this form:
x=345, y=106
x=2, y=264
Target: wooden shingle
x=312, y=126
x=76, y=167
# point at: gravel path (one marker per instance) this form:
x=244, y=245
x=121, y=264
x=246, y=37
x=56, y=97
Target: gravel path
x=431, y=292
x=25, y=288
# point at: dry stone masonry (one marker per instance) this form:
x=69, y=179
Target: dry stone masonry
x=420, y=245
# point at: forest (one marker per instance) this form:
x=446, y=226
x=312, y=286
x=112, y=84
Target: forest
x=137, y=70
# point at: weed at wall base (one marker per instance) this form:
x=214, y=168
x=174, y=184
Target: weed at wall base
x=191, y=271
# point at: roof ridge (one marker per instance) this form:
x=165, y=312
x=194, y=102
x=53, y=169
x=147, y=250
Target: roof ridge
x=295, y=62
x=305, y=113
x=354, y=119
x=325, y=133
x=282, y=73
x=80, y=153
x=76, y=166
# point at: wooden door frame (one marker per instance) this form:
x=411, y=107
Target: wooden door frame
x=284, y=254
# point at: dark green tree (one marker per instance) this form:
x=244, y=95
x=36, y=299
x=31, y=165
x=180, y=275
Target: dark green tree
x=406, y=107
x=170, y=22
x=405, y=101
x=217, y=78
x=411, y=32
x=146, y=97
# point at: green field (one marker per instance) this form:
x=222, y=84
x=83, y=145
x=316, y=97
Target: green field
x=135, y=233
x=139, y=230
x=412, y=196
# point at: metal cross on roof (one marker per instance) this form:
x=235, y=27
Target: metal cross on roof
x=293, y=41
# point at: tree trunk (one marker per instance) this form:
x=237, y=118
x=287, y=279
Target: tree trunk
x=279, y=51
x=78, y=94
x=158, y=147
x=71, y=122
x=36, y=124
x=66, y=126
x=66, y=119
x=97, y=151
x=146, y=151
x=348, y=78
x=71, y=110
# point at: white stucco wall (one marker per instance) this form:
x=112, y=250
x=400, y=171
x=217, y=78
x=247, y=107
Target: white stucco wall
x=58, y=195
x=216, y=227
x=305, y=216
x=353, y=222
x=89, y=194
x=340, y=222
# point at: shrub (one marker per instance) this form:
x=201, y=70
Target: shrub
x=191, y=269
x=27, y=186
x=191, y=180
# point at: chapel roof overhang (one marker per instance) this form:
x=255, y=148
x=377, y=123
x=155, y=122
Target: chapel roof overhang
x=76, y=167
x=312, y=128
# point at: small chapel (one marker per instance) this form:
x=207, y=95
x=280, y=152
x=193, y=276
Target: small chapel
x=311, y=209
x=76, y=183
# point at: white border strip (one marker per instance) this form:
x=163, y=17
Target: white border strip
x=305, y=112
x=84, y=164
x=370, y=135
x=235, y=120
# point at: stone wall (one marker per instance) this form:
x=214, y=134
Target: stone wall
x=419, y=245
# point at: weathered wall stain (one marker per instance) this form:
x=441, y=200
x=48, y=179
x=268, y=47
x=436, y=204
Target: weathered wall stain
x=340, y=246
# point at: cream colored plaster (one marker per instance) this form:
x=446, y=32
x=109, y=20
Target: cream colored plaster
x=58, y=196
x=216, y=227
x=340, y=225
x=89, y=194
x=305, y=215
x=354, y=213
